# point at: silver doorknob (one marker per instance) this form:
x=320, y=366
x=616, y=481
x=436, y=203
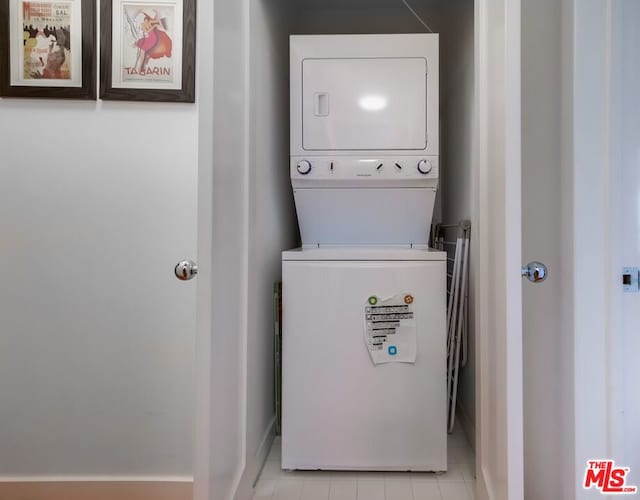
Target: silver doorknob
x=186, y=270
x=536, y=272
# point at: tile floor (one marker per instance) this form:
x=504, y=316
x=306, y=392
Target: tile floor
x=458, y=483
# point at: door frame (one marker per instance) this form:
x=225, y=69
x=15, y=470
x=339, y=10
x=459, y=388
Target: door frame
x=204, y=280
x=586, y=212
x=501, y=237
x=590, y=180
x=222, y=297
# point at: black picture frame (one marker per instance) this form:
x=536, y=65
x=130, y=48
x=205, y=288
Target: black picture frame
x=184, y=94
x=88, y=72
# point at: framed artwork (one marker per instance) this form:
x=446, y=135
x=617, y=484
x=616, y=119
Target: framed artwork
x=148, y=50
x=47, y=48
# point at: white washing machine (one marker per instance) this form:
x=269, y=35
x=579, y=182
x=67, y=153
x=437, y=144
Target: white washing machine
x=364, y=300
x=342, y=411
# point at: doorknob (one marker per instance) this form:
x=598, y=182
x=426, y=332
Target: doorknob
x=536, y=272
x=186, y=270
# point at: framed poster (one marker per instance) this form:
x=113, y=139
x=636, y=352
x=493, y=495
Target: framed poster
x=47, y=48
x=148, y=50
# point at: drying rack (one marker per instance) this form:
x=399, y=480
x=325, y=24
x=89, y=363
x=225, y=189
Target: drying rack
x=455, y=240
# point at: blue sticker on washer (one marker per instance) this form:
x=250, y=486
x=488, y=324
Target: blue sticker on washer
x=392, y=350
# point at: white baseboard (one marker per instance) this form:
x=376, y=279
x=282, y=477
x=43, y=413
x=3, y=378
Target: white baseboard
x=94, y=479
x=84, y=488
x=468, y=425
x=254, y=464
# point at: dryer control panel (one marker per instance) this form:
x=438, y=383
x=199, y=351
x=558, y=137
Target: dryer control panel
x=371, y=171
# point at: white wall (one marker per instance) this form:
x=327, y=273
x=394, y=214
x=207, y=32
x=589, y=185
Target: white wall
x=625, y=234
x=93, y=380
x=254, y=220
x=229, y=239
x=566, y=342
x=357, y=16
x=272, y=220
x=457, y=189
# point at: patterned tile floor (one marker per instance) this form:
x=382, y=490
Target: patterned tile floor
x=458, y=483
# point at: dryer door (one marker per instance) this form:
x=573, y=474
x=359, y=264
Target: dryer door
x=364, y=104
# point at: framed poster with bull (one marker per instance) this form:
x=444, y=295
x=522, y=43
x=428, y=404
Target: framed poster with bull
x=47, y=49
x=147, y=50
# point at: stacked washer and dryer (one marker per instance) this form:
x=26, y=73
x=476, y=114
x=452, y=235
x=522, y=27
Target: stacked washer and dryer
x=364, y=299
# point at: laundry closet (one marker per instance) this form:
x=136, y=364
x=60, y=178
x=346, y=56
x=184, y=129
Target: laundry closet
x=272, y=212
x=253, y=81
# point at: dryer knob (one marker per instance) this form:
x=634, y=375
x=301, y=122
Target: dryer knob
x=304, y=167
x=425, y=166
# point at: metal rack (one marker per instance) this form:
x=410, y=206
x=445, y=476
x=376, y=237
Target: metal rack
x=457, y=302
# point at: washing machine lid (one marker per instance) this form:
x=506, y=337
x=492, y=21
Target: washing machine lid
x=363, y=254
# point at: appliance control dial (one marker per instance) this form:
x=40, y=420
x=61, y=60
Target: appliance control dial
x=425, y=166
x=304, y=167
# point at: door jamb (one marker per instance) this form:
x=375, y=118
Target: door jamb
x=204, y=281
